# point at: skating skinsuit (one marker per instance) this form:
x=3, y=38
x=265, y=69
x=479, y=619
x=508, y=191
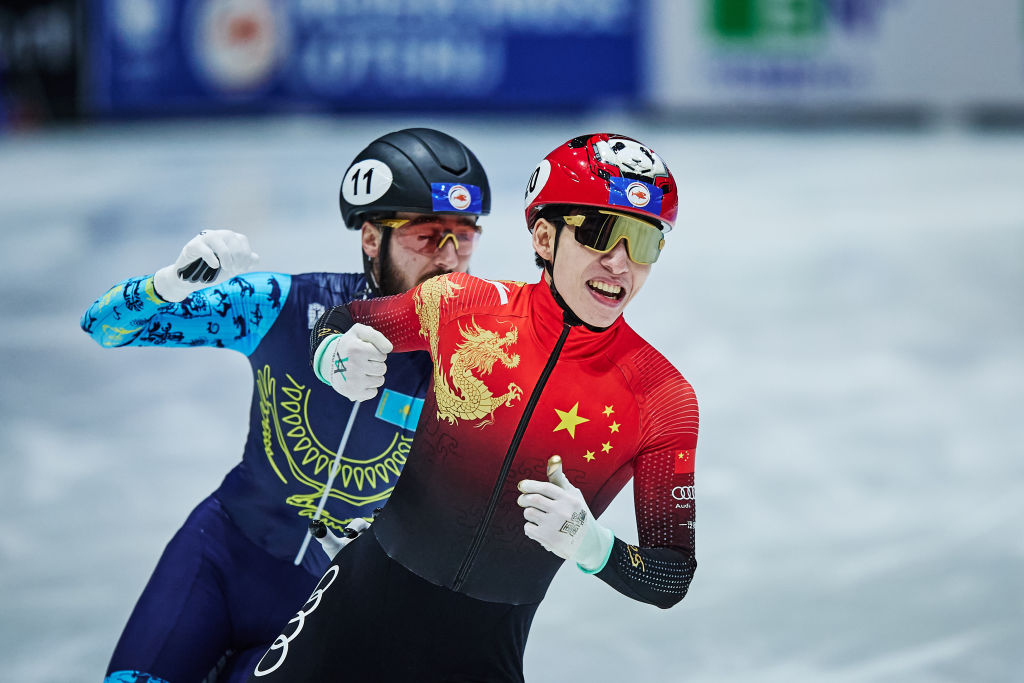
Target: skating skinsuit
x=295, y=422
x=513, y=385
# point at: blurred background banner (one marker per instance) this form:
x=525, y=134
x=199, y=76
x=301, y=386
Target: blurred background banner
x=202, y=56
x=944, y=54
x=61, y=59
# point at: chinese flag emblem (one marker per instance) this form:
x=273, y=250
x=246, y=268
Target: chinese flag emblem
x=684, y=462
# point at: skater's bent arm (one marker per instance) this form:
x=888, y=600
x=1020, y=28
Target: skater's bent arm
x=235, y=314
x=407, y=320
x=659, y=568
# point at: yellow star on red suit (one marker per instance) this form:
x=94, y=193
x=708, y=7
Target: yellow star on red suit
x=570, y=419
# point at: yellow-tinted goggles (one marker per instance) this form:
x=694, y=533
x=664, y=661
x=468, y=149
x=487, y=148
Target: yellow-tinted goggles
x=601, y=230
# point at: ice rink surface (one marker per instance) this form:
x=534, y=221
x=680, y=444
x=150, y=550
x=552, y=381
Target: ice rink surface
x=847, y=305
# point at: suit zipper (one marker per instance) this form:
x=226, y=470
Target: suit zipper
x=510, y=455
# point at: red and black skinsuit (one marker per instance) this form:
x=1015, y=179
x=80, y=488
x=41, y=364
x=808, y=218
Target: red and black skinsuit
x=513, y=385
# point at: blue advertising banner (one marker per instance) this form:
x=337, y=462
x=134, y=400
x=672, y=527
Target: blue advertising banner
x=178, y=56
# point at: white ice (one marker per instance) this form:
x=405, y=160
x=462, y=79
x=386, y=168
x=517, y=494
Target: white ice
x=848, y=306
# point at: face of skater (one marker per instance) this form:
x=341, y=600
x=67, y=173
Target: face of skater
x=596, y=286
x=420, y=247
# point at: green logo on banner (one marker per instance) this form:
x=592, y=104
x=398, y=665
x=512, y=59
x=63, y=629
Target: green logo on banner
x=766, y=21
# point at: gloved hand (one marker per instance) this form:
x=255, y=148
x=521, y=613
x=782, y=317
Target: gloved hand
x=332, y=544
x=210, y=257
x=558, y=518
x=353, y=363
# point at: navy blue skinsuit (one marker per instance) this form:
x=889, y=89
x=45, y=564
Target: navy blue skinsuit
x=226, y=581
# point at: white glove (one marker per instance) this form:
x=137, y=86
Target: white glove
x=353, y=363
x=209, y=258
x=558, y=518
x=332, y=544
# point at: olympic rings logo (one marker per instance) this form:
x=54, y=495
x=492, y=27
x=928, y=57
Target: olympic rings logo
x=282, y=642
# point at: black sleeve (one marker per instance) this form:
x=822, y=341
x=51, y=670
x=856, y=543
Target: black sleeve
x=658, y=576
x=337, y=320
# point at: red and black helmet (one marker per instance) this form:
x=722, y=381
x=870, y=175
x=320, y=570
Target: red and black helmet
x=607, y=171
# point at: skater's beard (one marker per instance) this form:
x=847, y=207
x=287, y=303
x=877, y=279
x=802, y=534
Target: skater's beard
x=393, y=281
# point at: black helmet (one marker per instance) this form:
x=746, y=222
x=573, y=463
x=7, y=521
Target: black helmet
x=420, y=170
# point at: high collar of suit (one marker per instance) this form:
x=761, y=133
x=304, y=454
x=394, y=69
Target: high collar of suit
x=549, y=316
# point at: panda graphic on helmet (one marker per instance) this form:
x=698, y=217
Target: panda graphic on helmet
x=632, y=158
x=613, y=155
x=629, y=158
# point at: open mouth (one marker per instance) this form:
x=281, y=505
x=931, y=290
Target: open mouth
x=613, y=292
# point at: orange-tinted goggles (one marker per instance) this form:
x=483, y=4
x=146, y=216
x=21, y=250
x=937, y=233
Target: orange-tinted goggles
x=601, y=230
x=427, y=238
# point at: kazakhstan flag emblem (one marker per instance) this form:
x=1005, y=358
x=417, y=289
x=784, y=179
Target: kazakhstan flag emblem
x=400, y=410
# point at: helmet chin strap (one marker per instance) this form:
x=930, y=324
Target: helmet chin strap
x=381, y=258
x=569, y=316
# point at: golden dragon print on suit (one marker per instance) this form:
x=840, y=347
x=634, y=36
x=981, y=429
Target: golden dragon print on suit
x=467, y=397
